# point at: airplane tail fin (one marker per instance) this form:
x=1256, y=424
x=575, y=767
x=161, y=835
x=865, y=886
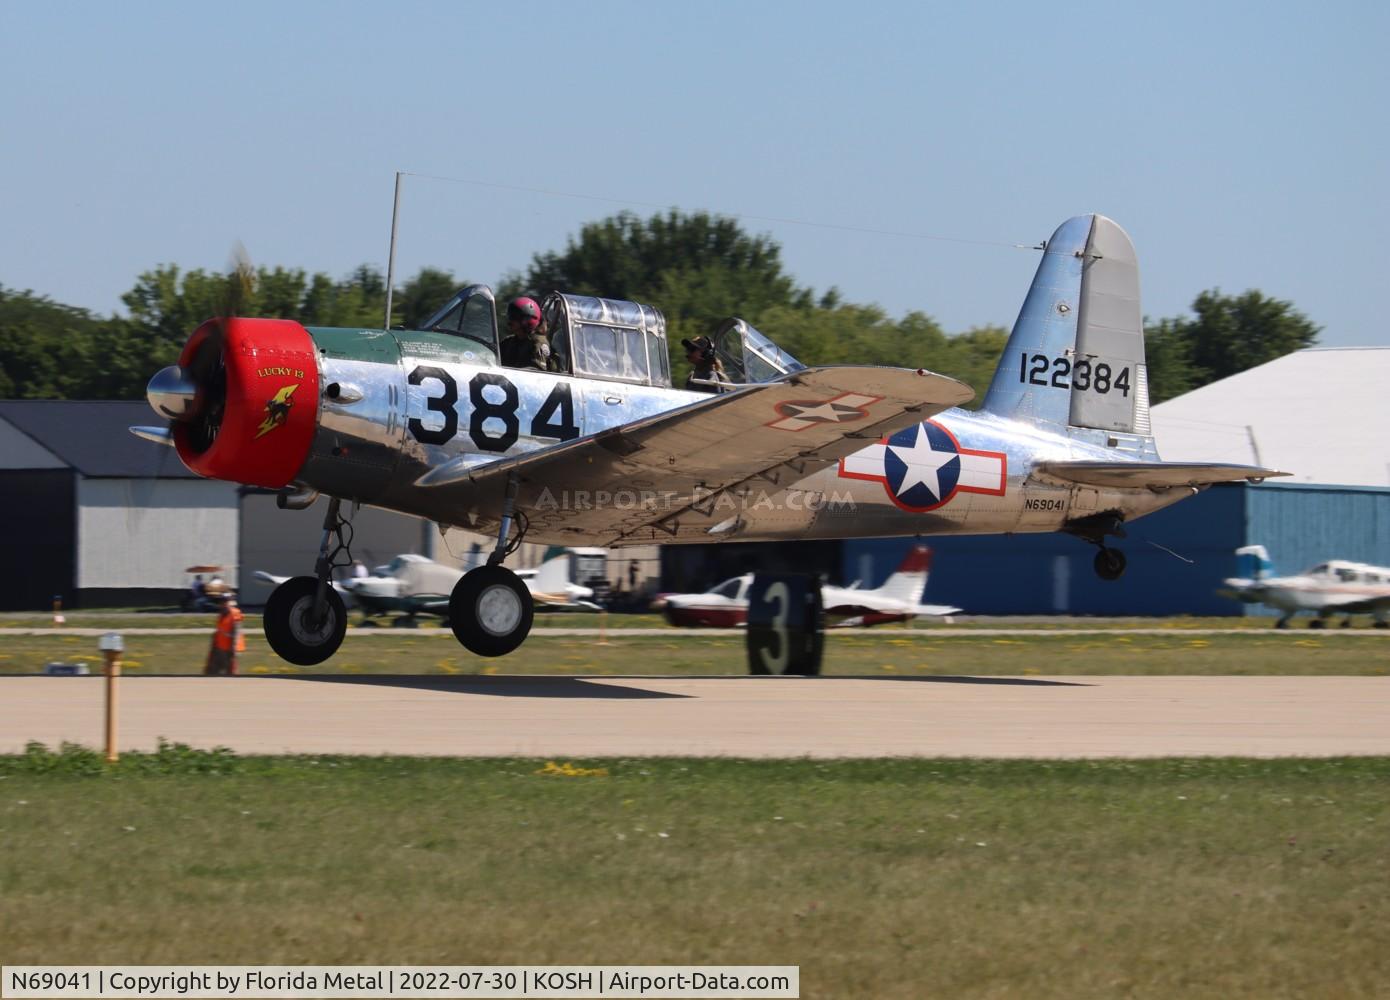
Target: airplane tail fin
x=1076, y=354
x=554, y=571
x=909, y=580
x=1254, y=562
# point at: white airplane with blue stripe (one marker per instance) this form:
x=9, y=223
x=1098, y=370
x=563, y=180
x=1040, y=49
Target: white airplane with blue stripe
x=1335, y=587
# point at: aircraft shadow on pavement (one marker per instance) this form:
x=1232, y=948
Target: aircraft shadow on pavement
x=933, y=679
x=968, y=679
x=502, y=687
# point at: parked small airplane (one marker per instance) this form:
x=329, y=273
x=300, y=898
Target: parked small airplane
x=897, y=600
x=1332, y=588
x=600, y=449
x=411, y=585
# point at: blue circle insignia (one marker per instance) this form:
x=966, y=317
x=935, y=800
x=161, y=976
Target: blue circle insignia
x=921, y=465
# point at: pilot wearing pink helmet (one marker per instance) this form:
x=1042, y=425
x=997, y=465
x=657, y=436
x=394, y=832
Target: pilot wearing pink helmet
x=525, y=345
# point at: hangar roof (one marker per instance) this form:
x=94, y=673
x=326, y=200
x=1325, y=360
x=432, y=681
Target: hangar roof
x=1320, y=414
x=92, y=437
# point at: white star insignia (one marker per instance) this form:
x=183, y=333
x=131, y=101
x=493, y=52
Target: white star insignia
x=923, y=463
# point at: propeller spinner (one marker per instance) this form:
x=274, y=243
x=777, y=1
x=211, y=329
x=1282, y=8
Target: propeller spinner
x=173, y=393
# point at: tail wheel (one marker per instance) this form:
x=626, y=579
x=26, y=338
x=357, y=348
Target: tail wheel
x=490, y=611
x=290, y=626
x=1110, y=564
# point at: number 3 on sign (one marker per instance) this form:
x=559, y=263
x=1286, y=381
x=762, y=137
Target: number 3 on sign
x=775, y=664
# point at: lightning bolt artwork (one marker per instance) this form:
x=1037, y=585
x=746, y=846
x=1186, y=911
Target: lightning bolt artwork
x=277, y=409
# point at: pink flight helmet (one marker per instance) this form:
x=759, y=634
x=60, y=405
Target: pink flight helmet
x=525, y=311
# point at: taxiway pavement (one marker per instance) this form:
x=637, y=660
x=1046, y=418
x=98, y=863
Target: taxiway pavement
x=552, y=716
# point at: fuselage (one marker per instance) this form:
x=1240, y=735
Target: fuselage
x=405, y=408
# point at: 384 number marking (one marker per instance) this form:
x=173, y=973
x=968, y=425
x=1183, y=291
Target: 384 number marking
x=1062, y=373
x=487, y=407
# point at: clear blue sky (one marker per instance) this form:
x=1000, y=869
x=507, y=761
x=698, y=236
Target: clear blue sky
x=1241, y=145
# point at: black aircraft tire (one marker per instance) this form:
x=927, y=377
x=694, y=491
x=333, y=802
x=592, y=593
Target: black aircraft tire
x=490, y=611
x=1317, y=623
x=1110, y=564
x=289, y=630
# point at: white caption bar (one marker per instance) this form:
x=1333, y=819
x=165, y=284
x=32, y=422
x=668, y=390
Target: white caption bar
x=717, y=982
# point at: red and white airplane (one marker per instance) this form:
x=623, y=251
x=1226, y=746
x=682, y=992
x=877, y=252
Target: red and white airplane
x=726, y=605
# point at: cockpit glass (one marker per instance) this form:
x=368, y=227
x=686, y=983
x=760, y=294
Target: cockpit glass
x=747, y=356
x=611, y=352
x=471, y=313
x=607, y=338
x=449, y=322
x=769, y=354
x=729, y=588
x=478, y=323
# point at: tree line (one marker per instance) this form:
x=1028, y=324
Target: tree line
x=696, y=268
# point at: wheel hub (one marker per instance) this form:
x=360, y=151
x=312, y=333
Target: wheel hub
x=303, y=627
x=499, y=609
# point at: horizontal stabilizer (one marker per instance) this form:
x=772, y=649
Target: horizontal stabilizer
x=1149, y=475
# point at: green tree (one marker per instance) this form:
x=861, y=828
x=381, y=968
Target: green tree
x=697, y=269
x=1169, y=359
x=626, y=257
x=1227, y=334
x=44, y=346
x=420, y=297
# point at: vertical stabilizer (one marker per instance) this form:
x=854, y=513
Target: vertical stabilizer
x=1254, y=560
x=909, y=580
x=553, y=575
x=1076, y=354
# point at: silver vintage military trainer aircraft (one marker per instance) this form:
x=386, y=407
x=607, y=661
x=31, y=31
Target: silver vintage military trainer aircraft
x=605, y=452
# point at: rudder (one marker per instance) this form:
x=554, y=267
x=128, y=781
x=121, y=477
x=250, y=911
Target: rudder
x=1076, y=354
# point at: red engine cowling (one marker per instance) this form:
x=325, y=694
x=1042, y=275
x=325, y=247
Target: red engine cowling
x=258, y=385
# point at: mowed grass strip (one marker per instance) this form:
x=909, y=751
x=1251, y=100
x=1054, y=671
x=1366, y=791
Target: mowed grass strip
x=872, y=653
x=890, y=878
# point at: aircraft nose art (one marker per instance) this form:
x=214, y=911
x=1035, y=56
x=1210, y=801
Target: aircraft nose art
x=264, y=375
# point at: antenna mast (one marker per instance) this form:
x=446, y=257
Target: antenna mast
x=391, y=254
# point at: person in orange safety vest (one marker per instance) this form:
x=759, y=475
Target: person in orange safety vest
x=227, y=641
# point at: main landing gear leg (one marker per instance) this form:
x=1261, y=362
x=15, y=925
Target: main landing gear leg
x=490, y=609
x=305, y=619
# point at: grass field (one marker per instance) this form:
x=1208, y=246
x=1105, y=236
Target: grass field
x=671, y=651
x=890, y=878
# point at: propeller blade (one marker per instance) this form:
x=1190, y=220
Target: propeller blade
x=159, y=435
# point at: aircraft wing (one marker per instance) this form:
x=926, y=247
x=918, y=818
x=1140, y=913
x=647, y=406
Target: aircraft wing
x=1157, y=475
x=271, y=580
x=562, y=601
x=681, y=473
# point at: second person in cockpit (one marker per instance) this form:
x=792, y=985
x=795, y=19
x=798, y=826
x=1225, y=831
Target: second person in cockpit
x=706, y=371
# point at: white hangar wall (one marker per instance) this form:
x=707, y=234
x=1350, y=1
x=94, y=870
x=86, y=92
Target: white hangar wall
x=143, y=533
